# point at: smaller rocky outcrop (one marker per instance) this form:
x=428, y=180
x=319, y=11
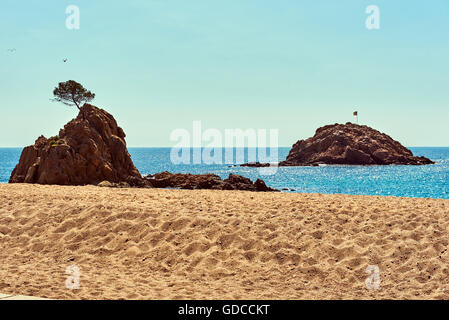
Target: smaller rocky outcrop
x=256, y=165
x=205, y=181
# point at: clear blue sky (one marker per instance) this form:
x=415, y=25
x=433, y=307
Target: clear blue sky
x=288, y=64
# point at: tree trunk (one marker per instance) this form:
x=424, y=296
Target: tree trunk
x=77, y=105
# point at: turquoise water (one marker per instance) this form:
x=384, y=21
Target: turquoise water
x=405, y=181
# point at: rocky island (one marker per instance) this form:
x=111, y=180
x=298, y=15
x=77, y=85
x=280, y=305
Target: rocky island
x=88, y=150
x=350, y=144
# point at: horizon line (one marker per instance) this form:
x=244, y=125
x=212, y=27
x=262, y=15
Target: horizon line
x=167, y=147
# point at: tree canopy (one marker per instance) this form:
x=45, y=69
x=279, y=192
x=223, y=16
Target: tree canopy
x=72, y=93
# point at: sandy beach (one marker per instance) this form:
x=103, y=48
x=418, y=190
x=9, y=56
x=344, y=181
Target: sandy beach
x=182, y=244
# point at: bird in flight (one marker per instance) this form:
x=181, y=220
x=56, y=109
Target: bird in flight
x=11, y=50
x=65, y=60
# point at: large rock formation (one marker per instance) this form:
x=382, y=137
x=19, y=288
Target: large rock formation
x=206, y=181
x=350, y=144
x=90, y=149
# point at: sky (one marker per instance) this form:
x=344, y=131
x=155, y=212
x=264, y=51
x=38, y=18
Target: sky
x=291, y=65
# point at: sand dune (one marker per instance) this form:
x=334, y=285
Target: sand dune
x=172, y=244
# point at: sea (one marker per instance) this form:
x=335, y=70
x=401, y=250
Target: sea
x=430, y=181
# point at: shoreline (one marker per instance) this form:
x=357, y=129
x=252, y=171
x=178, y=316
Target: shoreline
x=411, y=181
x=280, y=191
x=206, y=244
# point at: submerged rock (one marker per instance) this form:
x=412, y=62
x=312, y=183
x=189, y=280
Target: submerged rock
x=350, y=144
x=90, y=149
x=256, y=165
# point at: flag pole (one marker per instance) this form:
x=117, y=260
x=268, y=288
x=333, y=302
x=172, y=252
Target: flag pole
x=356, y=115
